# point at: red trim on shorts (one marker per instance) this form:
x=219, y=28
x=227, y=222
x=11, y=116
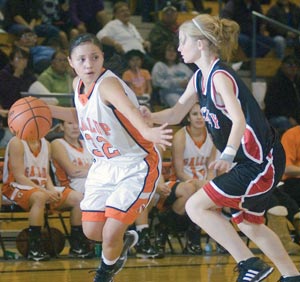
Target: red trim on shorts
x=93, y=216
x=235, y=203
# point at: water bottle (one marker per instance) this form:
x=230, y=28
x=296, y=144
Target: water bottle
x=11, y=255
x=208, y=248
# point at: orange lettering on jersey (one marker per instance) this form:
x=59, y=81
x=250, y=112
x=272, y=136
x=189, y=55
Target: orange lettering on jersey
x=105, y=128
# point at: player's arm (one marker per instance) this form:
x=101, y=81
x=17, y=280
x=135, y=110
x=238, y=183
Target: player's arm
x=112, y=93
x=60, y=155
x=176, y=114
x=225, y=88
x=178, y=147
x=53, y=194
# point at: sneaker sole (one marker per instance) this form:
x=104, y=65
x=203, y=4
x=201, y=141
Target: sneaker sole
x=265, y=275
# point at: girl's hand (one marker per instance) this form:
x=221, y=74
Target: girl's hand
x=159, y=135
x=221, y=165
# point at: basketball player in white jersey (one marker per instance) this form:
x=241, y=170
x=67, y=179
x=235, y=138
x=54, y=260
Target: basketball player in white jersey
x=26, y=181
x=126, y=167
x=71, y=160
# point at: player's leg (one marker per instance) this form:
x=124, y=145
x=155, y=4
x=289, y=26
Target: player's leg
x=202, y=210
x=271, y=245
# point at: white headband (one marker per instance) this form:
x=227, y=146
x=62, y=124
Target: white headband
x=202, y=31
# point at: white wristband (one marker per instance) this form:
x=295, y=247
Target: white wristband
x=228, y=154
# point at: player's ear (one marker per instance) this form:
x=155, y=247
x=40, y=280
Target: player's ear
x=70, y=62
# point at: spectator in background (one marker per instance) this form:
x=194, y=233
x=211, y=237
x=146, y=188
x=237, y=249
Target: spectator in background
x=282, y=100
x=170, y=76
x=88, y=16
x=121, y=35
x=40, y=55
x=288, y=13
x=26, y=14
x=164, y=31
x=137, y=78
x=241, y=12
x=15, y=77
x=58, y=77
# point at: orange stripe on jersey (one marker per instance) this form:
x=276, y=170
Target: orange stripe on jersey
x=152, y=158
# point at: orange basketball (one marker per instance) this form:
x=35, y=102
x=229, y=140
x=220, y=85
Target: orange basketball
x=29, y=118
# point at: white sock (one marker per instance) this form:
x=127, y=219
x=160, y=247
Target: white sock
x=108, y=262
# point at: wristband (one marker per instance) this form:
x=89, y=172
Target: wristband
x=228, y=154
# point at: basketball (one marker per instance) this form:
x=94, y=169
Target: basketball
x=29, y=118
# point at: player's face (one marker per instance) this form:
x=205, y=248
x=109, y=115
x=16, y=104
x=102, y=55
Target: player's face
x=71, y=130
x=87, y=61
x=195, y=117
x=188, y=48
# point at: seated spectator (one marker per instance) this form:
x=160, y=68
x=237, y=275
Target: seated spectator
x=70, y=158
x=121, y=35
x=241, y=12
x=287, y=13
x=137, y=78
x=40, y=55
x=15, y=77
x=192, y=151
x=170, y=76
x=164, y=31
x=282, y=100
x=26, y=181
x=20, y=15
x=53, y=13
x=87, y=16
x=58, y=77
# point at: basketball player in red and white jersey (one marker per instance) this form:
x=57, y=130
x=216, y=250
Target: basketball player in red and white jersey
x=26, y=181
x=71, y=160
x=126, y=167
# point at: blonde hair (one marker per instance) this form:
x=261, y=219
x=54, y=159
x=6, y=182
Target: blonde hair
x=221, y=33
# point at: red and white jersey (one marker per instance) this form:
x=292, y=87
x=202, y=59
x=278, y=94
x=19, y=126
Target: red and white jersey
x=195, y=158
x=35, y=165
x=109, y=136
x=80, y=157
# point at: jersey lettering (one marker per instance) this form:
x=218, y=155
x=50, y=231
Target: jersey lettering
x=106, y=149
x=94, y=126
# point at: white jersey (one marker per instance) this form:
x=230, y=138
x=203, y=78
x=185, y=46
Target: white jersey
x=195, y=158
x=126, y=166
x=36, y=166
x=80, y=157
x=108, y=134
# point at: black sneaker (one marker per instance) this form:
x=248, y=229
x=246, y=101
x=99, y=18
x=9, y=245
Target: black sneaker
x=193, y=240
x=80, y=246
x=192, y=249
x=290, y=279
x=130, y=239
x=143, y=248
x=104, y=275
x=36, y=251
x=81, y=252
x=161, y=236
x=253, y=270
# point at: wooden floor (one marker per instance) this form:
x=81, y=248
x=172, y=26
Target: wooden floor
x=181, y=268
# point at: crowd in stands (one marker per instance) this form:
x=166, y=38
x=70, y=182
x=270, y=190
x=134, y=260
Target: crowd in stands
x=152, y=67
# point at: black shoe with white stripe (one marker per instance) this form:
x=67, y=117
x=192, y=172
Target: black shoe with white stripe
x=253, y=270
